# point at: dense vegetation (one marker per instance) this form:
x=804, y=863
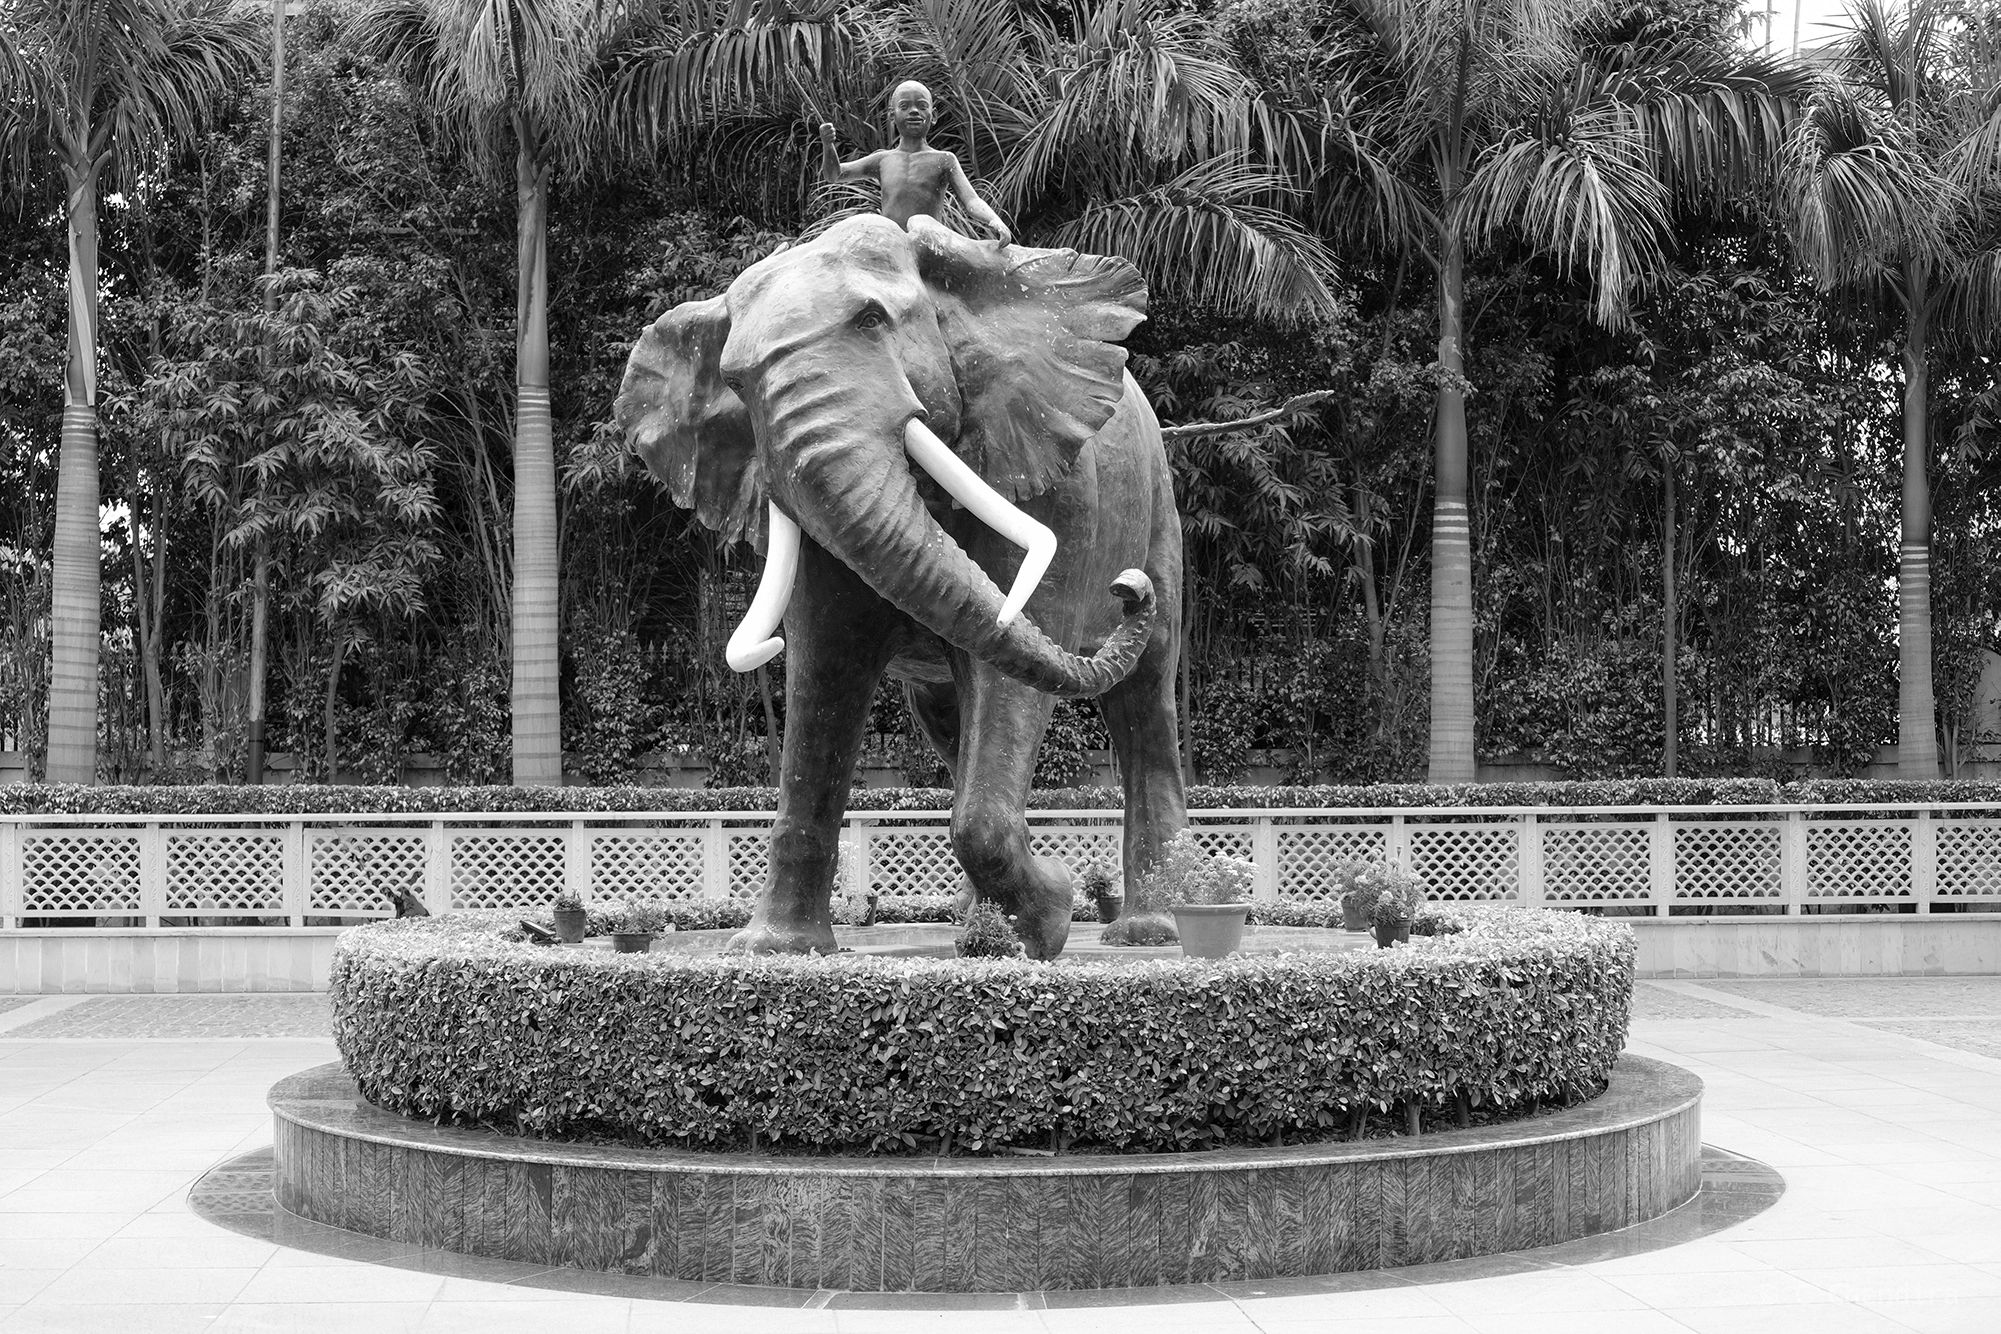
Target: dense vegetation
x=1723, y=405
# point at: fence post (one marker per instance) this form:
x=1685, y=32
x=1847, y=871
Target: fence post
x=1264, y=855
x=438, y=868
x=152, y=873
x=13, y=895
x=1924, y=861
x=577, y=860
x=292, y=863
x=1792, y=862
x=716, y=861
x=1397, y=853
x=1660, y=864
x=1528, y=861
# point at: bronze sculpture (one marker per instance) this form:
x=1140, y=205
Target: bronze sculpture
x=797, y=404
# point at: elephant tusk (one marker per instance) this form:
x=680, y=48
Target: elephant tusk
x=753, y=644
x=990, y=507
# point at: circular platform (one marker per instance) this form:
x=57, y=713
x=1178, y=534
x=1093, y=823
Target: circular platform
x=992, y=1224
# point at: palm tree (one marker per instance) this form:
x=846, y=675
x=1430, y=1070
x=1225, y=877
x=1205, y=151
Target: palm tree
x=1443, y=124
x=100, y=88
x=1893, y=180
x=513, y=79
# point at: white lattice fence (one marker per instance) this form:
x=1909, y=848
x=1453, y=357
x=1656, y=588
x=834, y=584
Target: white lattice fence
x=225, y=871
x=1969, y=860
x=1309, y=854
x=661, y=864
x=1868, y=860
x=515, y=869
x=1466, y=863
x=1741, y=859
x=353, y=871
x=80, y=872
x=1596, y=863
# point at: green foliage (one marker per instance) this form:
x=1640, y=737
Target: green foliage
x=1377, y=890
x=640, y=917
x=988, y=934
x=608, y=721
x=1074, y=730
x=1188, y=873
x=443, y=1018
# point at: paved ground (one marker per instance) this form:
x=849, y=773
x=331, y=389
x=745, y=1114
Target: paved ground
x=1879, y=1102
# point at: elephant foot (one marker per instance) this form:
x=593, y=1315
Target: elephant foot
x=771, y=938
x=1042, y=909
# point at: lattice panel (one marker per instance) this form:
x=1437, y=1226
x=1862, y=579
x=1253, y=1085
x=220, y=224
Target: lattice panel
x=506, y=870
x=1078, y=848
x=662, y=865
x=1466, y=861
x=80, y=873
x=354, y=872
x=1865, y=860
x=1225, y=841
x=235, y=870
x=1308, y=854
x=912, y=861
x=1969, y=859
x=1726, y=861
x=750, y=860
x=1596, y=863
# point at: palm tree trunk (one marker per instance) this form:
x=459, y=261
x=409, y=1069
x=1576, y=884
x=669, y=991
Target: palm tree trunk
x=260, y=612
x=1451, y=540
x=538, y=753
x=72, y=756
x=1917, y=721
x=1670, y=696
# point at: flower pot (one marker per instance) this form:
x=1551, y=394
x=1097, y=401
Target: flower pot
x=570, y=925
x=1387, y=936
x=632, y=942
x=1210, y=930
x=1108, y=906
x=1353, y=918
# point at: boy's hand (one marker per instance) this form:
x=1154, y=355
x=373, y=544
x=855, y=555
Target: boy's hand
x=827, y=133
x=1001, y=233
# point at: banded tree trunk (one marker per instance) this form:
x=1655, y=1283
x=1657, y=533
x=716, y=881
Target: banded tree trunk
x=537, y=735
x=1451, y=744
x=1917, y=716
x=72, y=756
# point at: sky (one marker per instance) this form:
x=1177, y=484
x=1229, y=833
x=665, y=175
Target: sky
x=1814, y=17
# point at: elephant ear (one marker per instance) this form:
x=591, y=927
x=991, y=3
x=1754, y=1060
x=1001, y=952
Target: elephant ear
x=691, y=428
x=1034, y=342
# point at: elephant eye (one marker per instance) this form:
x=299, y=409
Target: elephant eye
x=872, y=317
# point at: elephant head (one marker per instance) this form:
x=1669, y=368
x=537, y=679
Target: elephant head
x=803, y=395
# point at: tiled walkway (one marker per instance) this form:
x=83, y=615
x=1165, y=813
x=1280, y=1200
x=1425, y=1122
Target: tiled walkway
x=1879, y=1102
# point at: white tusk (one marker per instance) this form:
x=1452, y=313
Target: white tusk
x=754, y=644
x=989, y=507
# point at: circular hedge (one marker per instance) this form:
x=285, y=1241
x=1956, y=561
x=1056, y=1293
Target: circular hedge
x=448, y=1018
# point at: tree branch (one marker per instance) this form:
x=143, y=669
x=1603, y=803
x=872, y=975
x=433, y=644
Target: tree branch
x=1296, y=403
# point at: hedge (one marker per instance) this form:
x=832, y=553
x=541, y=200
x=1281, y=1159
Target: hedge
x=446, y=1018
x=318, y=799
x=912, y=909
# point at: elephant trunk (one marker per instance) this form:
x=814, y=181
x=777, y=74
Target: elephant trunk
x=862, y=505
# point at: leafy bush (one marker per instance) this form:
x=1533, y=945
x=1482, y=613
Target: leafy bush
x=1188, y=873
x=313, y=799
x=988, y=934
x=1371, y=884
x=445, y=1018
x=645, y=917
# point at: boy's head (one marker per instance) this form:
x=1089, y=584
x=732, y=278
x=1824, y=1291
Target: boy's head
x=911, y=110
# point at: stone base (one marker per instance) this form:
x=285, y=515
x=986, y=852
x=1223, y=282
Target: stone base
x=992, y=1224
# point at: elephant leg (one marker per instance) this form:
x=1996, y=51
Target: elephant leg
x=1002, y=729
x=1140, y=716
x=936, y=709
x=838, y=638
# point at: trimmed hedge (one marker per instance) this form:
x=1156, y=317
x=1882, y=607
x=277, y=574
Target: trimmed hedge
x=911, y=909
x=445, y=1018
x=316, y=799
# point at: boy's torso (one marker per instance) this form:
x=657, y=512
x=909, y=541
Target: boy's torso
x=914, y=182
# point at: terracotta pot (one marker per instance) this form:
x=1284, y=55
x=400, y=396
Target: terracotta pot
x=1352, y=916
x=570, y=925
x=632, y=942
x=1210, y=930
x=1108, y=906
x=1387, y=936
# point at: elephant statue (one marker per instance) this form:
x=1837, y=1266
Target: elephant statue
x=792, y=409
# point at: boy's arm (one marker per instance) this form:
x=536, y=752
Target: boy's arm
x=976, y=208
x=831, y=166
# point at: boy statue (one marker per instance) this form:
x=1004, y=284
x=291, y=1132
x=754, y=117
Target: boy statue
x=914, y=175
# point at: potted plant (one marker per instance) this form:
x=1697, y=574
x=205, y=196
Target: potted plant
x=1356, y=882
x=570, y=917
x=1100, y=894
x=1396, y=906
x=635, y=926
x=1206, y=895
x=989, y=934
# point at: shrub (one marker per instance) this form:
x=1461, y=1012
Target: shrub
x=444, y=1018
x=1372, y=883
x=646, y=917
x=988, y=934
x=1189, y=873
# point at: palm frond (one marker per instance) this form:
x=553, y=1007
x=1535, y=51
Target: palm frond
x=1970, y=305
x=1204, y=237
x=1716, y=121
x=1581, y=187
x=1859, y=192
